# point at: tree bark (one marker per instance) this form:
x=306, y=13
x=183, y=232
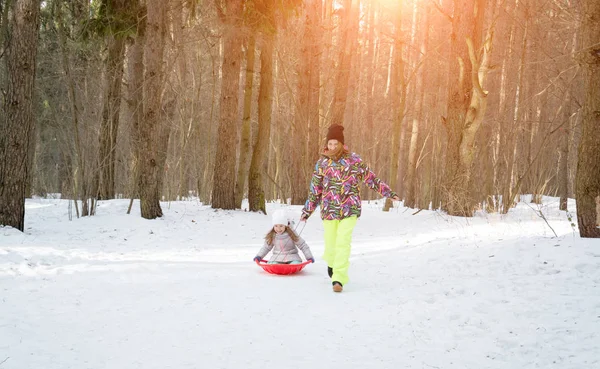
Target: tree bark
x=314, y=118
x=344, y=67
x=563, y=160
x=513, y=179
x=17, y=121
x=466, y=104
x=185, y=105
x=223, y=191
x=113, y=76
x=299, y=130
x=588, y=163
x=135, y=82
x=256, y=192
x=410, y=185
x=306, y=142
x=370, y=79
x=503, y=130
x=151, y=132
x=80, y=180
x=398, y=97
x=242, y=173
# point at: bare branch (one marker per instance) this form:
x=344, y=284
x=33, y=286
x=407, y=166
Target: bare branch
x=219, y=6
x=3, y=361
x=541, y=215
x=474, y=69
x=444, y=13
x=461, y=73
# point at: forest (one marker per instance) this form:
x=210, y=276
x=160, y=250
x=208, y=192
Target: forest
x=459, y=105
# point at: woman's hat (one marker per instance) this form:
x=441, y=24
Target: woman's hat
x=336, y=132
x=280, y=217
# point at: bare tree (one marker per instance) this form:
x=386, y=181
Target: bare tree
x=410, y=184
x=563, y=161
x=135, y=83
x=16, y=119
x=151, y=130
x=466, y=102
x=305, y=131
x=514, y=179
x=223, y=192
x=81, y=184
x=300, y=128
x=256, y=192
x=399, y=105
x=360, y=62
x=347, y=46
x=314, y=21
x=588, y=165
x=115, y=12
x=242, y=174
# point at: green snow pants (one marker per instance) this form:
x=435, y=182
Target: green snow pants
x=338, y=235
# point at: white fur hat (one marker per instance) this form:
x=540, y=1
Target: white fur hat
x=280, y=217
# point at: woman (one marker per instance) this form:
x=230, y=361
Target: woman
x=335, y=186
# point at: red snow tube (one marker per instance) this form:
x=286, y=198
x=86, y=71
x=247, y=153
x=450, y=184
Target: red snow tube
x=281, y=269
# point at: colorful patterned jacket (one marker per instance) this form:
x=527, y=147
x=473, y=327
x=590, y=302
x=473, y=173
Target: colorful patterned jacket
x=336, y=186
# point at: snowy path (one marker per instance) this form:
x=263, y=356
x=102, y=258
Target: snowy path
x=426, y=292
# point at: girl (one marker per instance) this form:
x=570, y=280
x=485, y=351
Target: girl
x=284, y=242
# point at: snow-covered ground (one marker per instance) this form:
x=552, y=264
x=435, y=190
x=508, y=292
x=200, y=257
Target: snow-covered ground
x=116, y=291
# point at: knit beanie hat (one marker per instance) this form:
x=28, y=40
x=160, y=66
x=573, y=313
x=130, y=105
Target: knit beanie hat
x=280, y=217
x=336, y=132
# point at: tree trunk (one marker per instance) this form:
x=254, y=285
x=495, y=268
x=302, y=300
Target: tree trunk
x=588, y=164
x=411, y=178
x=17, y=120
x=135, y=82
x=503, y=130
x=398, y=97
x=314, y=118
x=185, y=105
x=455, y=200
x=279, y=159
x=4, y=21
x=256, y=192
x=223, y=191
x=209, y=127
x=370, y=78
x=466, y=104
x=563, y=160
x=298, y=138
x=513, y=181
x=113, y=77
x=305, y=141
x=151, y=132
x=242, y=173
x=80, y=180
x=345, y=62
